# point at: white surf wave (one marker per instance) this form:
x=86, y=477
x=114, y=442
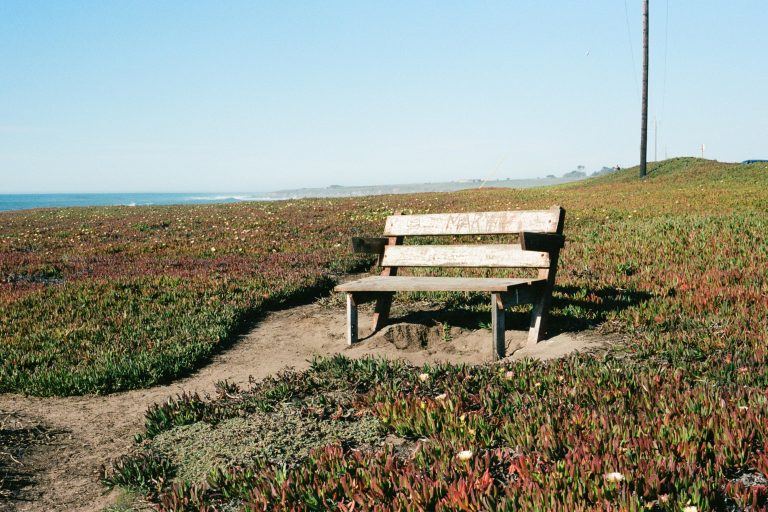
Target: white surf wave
x=221, y=198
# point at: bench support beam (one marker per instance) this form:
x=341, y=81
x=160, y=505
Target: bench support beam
x=384, y=302
x=540, y=313
x=497, y=323
x=381, y=311
x=351, y=319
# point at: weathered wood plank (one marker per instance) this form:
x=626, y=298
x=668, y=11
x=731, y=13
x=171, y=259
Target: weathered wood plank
x=444, y=284
x=491, y=256
x=546, y=242
x=481, y=223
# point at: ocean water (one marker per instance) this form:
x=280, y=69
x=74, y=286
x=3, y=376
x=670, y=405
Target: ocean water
x=27, y=201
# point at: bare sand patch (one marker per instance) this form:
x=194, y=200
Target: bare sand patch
x=90, y=430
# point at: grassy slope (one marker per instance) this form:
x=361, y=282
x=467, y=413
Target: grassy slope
x=677, y=262
x=102, y=299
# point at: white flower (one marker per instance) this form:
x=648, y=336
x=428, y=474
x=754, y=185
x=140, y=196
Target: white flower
x=614, y=476
x=509, y=375
x=423, y=377
x=464, y=455
x=213, y=249
x=691, y=508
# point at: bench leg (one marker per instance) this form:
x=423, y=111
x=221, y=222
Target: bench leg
x=381, y=312
x=497, y=322
x=351, y=319
x=540, y=313
x=539, y=318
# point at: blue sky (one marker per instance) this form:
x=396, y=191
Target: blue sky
x=251, y=96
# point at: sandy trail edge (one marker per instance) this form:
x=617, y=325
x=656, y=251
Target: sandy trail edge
x=98, y=428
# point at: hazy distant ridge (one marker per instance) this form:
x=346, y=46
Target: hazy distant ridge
x=406, y=188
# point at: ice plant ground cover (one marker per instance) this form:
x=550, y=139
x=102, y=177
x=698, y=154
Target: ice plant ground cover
x=103, y=299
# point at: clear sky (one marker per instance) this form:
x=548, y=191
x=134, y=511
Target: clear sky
x=248, y=96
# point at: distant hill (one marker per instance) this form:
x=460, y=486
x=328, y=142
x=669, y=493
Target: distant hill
x=408, y=188
x=683, y=171
x=603, y=171
x=574, y=175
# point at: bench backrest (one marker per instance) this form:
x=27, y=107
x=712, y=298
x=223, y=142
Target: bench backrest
x=483, y=223
x=533, y=251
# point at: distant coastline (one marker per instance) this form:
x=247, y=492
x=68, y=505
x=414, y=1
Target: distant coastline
x=10, y=202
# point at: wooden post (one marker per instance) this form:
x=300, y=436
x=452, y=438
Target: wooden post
x=497, y=323
x=644, y=114
x=351, y=319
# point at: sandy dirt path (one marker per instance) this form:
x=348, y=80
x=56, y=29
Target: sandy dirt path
x=90, y=430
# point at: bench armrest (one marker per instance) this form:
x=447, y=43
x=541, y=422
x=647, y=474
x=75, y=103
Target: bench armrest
x=367, y=245
x=544, y=242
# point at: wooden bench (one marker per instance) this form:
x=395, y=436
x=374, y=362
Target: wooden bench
x=540, y=240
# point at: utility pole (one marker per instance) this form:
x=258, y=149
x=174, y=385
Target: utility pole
x=644, y=116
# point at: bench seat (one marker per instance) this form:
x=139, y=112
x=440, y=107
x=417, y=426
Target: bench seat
x=439, y=284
